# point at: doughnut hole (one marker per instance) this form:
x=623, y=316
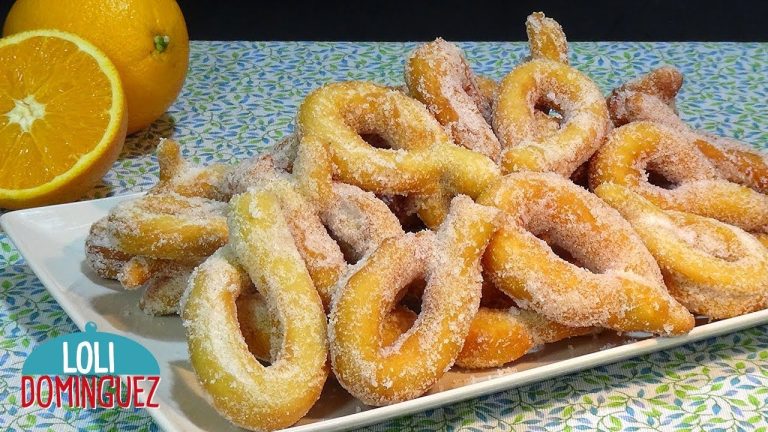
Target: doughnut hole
x=663, y=174
x=258, y=327
x=564, y=243
x=548, y=119
x=351, y=257
x=380, y=127
x=561, y=250
x=406, y=211
x=375, y=140
x=657, y=179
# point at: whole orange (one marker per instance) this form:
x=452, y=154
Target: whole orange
x=146, y=40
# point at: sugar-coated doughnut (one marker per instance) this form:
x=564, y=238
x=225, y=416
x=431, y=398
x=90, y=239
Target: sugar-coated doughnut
x=241, y=389
x=712, y=268
x=437, y=74
x=163, y=291
x=450, y=262
x=652, y=97
x=169, y=226
x=139, y=270
x=181, y=177
x=631, y=151
x=658, y=88
x=546, y=38
x=555, y=84
x=423, y=160
x=737, y=162
x=102, y=253
x=619, y=286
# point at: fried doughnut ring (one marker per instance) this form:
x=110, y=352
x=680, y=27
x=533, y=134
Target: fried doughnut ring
x=437, y=74
x=652, y=97
x=585, y=114
x=163, y=291
x=736, y=161
x=241, y=389
x=183, y=178
x=488, y=88
x=380, y=375
x=660, y=84
x=169, y=226
x=620, y=288
x=635, y=147
x=139, y=270
x=712, y=268
x=101, y=252
x=499, y=336
x=546, y=38
x=422, y=160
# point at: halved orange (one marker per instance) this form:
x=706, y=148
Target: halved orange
x=62, y=117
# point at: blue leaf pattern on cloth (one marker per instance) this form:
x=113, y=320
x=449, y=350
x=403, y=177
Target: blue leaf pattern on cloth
x=240, y=97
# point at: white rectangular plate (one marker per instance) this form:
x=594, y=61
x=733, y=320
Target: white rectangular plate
x=51, y=240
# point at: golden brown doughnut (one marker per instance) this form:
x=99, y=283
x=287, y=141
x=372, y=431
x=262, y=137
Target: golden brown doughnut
x=712, y=268
x=660, y=84
x=139, y=269
x=546, y=38
x=620, y=288
x=449, y=260
x=181, y=177
x=241, y=389
x=636, y=148
x=163, y=291
x=437, y=74
x=169, y=226
x=652, y=97
x=101, y=252
x=422, y=160
x=542, y=81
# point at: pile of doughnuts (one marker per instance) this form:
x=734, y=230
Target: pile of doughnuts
x=456, y=221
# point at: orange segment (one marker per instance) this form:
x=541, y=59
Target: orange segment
x=62, y=117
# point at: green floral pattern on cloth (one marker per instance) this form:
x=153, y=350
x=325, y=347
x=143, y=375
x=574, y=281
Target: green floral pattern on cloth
x=240, y=97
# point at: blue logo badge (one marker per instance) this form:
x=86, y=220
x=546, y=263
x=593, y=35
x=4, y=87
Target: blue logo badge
x=90, y=369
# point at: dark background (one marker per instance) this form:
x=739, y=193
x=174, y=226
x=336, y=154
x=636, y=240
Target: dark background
x=641, y=20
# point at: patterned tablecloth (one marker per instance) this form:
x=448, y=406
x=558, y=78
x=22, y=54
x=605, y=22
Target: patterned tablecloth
x=240, y=97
